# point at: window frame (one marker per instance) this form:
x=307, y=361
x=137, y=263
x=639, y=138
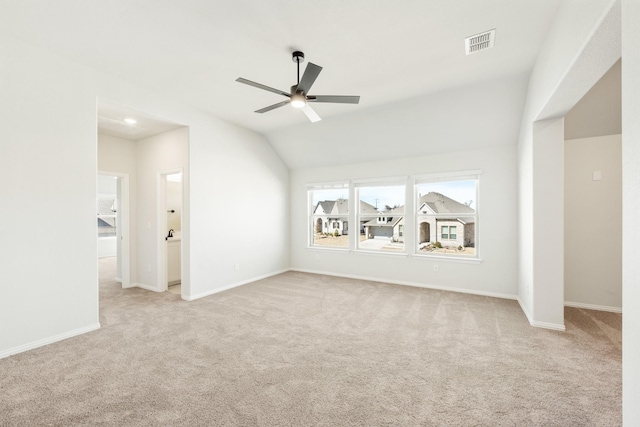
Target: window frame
x=437, y=218
x=379, y=216
x=331, y=224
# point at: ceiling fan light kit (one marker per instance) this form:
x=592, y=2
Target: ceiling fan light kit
x=298, y=95
x=297, y=99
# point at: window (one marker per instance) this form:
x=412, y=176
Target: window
x=329, y=212
x=381, y=215
x=449, y=232
x=447, y=215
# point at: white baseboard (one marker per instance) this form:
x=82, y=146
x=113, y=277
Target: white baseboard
x=545, y=325
x=593, y=307
x=537, y=324
x=525, y=311
x=48, y=340
x=233, y=285
x=413, y=284
x=144, y=286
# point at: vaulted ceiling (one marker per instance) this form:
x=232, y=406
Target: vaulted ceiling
x=389, y=53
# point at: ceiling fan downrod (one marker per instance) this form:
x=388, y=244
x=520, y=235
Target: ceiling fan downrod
x=297, y=57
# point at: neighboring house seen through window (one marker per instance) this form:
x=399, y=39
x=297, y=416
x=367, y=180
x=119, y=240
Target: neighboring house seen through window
x=329, y=215
x=447, y=215
x=381, y=215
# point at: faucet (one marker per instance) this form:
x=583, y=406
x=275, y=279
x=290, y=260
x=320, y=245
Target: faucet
x=169, y=235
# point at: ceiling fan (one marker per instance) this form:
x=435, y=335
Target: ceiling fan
x=299, y=97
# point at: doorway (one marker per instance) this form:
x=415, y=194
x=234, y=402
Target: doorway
x=112, y=206
x=170, y=214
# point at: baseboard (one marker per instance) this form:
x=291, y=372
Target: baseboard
x=552, y=326
x=525, y=311
x=233, y=285
x=48, y=340
x=412, y=284
x=146, y=287
x=593, y=307
x=537, y=324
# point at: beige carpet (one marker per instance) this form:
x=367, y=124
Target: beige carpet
x=300, y=349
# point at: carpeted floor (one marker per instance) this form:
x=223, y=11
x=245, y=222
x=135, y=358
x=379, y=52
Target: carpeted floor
x=300, y=349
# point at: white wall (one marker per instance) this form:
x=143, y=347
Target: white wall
x=484, y=114
x=593, y=228
x=107, y=247
x=495, y=275
x=48, y=255
x=242, y=213
x=582, y=44
x=154, y=155
x=548, y=224
x=48, y=116
x=630, y=209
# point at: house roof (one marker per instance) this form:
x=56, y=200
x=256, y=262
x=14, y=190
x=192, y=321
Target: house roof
x=366, y=208
x=326, y=206
x=392, y=223
x=439, y=203
x=340, y=207
x=396, y=210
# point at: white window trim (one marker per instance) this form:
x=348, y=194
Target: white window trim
x=394, y=181
x=327, y=227
x=410, y=182
x=439, y=177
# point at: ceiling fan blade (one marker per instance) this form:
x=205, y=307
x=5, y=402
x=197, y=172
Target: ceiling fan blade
x=272, y=107
x=338, y=99
x=311, y=114
x=309, y=77
x=261, y=86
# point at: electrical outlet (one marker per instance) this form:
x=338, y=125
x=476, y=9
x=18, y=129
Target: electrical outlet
x=436, y=268
x=236, y=266
x=148, y=268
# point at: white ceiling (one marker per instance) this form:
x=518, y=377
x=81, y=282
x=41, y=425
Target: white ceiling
x=599, y=112
x=112, y=116
x=193, y=50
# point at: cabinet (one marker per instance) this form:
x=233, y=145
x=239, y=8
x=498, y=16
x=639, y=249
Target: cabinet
x=174, y=270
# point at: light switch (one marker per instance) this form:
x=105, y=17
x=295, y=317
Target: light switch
x=597, y=176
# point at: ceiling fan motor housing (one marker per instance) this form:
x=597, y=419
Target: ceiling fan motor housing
x=297, y=57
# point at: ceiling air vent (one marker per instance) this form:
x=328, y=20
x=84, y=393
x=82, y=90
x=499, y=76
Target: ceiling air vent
x=479, y=42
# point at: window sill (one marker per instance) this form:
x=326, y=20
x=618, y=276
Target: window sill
x=383, y=253
x=460, y=259
x=328, y=248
